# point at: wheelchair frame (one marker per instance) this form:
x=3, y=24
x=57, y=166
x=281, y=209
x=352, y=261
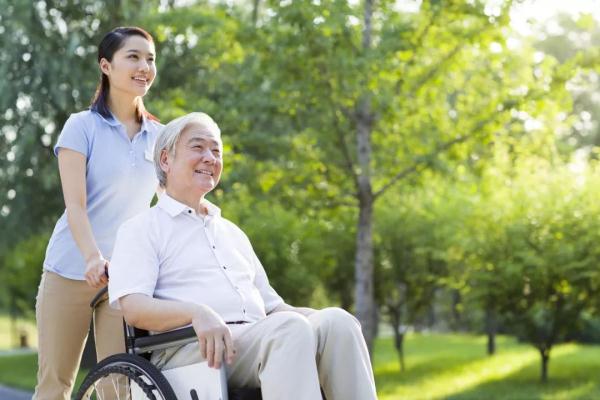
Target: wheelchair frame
x=133, y=365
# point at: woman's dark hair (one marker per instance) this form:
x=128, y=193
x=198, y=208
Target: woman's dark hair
x=110, y=44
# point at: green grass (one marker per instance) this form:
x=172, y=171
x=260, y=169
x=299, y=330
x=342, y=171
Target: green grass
x=9, y=332
x=455, y=367
x=452, y=367
x=19, y=371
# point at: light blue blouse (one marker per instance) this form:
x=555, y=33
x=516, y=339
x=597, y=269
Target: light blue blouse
x=120, y=182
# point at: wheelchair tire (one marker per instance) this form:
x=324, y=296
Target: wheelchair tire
x=135, y=370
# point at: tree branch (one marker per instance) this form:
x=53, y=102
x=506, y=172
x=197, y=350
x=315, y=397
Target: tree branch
x=418, y=43
x=422, y=161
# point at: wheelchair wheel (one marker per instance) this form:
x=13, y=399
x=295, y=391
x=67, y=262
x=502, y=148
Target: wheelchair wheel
x=125, y=376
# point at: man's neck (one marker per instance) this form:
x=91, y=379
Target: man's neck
x=192, y=202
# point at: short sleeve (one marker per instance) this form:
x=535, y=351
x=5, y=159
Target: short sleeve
x=268, y=294
x=74, y=135
x=135, y=263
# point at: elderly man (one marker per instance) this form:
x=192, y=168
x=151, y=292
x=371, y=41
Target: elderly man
x=181, y=263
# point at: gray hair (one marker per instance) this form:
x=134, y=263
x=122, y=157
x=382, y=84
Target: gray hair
x=169, y=136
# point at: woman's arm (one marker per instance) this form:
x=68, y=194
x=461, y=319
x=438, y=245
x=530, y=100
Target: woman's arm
x=72, y=166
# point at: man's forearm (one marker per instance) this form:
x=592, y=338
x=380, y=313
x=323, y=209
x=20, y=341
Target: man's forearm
x=157, y=315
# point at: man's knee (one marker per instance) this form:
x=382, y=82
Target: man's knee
x=336, y=319
x=292, y=326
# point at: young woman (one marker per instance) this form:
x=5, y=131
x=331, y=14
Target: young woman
x=107, y=175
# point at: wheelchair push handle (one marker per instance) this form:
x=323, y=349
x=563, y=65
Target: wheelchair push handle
x=99, y=297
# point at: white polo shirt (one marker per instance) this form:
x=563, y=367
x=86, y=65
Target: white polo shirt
x=169, y=252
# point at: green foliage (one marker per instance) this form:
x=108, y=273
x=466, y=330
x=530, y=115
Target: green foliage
x=301, y=254
x=48, y=69
x=20, y=275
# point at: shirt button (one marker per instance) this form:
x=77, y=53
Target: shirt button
x=214, y=247
x=224, y=267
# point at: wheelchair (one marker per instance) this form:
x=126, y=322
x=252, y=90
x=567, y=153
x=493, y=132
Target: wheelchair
x=132, y=376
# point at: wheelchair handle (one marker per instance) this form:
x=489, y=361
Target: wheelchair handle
x=99, y=297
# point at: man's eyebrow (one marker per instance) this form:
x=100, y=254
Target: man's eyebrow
x=203, y=140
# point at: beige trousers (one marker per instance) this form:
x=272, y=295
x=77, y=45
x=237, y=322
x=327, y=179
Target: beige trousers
x=63, y=316
x=288, y=356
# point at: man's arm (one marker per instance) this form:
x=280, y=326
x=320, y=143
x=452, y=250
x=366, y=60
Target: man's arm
x=152, y=314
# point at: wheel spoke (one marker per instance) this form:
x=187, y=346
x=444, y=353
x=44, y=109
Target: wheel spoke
x=121, y=376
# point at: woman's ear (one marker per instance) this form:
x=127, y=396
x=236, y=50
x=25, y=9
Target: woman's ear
x=104, y=66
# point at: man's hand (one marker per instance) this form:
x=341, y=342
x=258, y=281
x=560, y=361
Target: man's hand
x=95, y=271
x=214, y=337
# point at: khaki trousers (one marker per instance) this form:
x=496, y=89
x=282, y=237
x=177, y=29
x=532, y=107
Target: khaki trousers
x=288, y=356
x=63, y=316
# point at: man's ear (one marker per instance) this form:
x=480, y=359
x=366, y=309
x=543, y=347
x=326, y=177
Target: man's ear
x=104, y=66
x=164, y=161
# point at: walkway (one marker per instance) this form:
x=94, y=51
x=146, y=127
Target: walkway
x=14, y=394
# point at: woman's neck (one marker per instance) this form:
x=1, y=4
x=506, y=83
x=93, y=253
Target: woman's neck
x=123, y=108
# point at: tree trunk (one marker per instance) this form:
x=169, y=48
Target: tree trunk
x=545, y=354
x=395, y=312
x=365, y=300
x=399, y=343
x=13, y=315
x=456, y=314
x=255, y=12
x=490, y=329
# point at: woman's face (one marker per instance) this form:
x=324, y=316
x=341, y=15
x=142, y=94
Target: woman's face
x=132, y=69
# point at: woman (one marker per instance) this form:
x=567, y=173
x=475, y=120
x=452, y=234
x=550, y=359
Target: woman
x=107, y=176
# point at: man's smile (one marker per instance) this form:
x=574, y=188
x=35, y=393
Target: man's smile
x=203, y=171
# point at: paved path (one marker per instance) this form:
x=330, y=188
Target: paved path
x=16, y=352
x=14, y=394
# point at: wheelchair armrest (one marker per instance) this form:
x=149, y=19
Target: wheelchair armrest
x=99, y=297
x=164, y=340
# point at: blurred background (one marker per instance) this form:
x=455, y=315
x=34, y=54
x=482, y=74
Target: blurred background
x=431, y=166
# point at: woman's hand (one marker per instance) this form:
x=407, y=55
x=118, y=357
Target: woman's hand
x=95, y=271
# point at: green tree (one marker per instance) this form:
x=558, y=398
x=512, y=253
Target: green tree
x=20, y=276
x=48, y=69
x=535, y=261
x=330, y=104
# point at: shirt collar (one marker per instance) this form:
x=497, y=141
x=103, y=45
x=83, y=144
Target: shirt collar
x=112, y=121
x=174, y=207
x=144, y=126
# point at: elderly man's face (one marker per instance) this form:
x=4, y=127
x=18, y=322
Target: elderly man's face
x=196, y=168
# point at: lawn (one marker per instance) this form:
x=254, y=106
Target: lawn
x=455, y=367
x=19, y=371
x=9, y=332
x=452, y=367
